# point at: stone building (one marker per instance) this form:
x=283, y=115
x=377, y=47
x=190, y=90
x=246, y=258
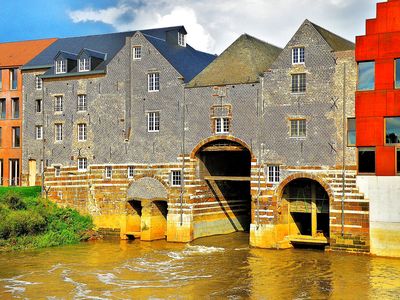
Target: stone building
x=155, y=139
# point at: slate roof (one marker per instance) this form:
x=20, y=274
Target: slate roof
x=337, y=43
x=242, y=62
x=186, y=60
x=93, y=53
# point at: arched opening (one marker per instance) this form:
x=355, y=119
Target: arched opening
x=307, y=205
x=225, y=166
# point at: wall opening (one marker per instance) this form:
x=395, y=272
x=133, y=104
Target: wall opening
x=134, y=217
x=225, y=167
x=161, y=212
x=307, y=205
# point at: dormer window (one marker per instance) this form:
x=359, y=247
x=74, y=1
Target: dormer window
x=84, y=64
x=181, y=39
x=61, y=66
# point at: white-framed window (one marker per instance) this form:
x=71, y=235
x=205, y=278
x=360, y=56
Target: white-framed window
x=176, y=178
x=60, y=195
x=82, y=132
x=61, y=66
x=15, y=108
x=38, y=105
x=58, y=104
x=131, y=171
x=298, y=56
x=137, y=52
x=16, y=137
x=38, y=83
x=82, y=164
x=39, y=132
x=181, y=39
x=153, y=121
x=222, y=125
x=108, y=172
x=273, y=173
x=57, y=171
x=153, y=82
x=298, y=128
x=84, y=64
x=58, y=132
x=82, y=103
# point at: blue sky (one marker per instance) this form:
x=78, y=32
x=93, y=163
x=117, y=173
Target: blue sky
x=212, y=25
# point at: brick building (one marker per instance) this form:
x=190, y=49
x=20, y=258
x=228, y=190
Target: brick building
x=378, y=125
x=12, y=56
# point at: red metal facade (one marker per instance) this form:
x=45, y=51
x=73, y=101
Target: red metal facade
x=382, y=45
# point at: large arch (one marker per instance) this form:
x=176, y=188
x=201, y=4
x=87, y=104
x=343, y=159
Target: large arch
x=147, y=188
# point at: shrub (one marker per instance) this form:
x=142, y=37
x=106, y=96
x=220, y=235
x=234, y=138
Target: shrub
x=13, y=200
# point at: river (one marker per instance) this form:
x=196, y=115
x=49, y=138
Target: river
x=219, y=267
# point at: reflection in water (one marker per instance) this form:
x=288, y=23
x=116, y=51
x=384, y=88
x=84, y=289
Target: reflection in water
x=214, y=267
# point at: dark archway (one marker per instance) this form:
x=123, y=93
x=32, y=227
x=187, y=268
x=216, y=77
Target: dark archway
x=307, y=205
x=225, y=165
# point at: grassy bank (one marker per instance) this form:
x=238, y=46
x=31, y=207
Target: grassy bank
x=28, y=221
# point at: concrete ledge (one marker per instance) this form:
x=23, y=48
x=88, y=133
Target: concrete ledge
x=385, y=239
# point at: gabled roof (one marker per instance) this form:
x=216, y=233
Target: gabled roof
x=15, y=54
x=337, y=43
x=66, y=55
x=242, y=62
x=93, y=53
x=186, y=60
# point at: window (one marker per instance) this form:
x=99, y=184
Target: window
x=1, y=87
x=13, y=79
x=153, y=82
x=38, y=83
x=137, y=52
x=351, y=131
x=39, y=132
x=3, y=108
x=108, y=172
x=84, y=64
x=14, y=172
x=58, y=132
x=222, y=125
x=82, y=104
x=392, y=133
x=298, y=83
x=366, y=160
x=298, y=128
x=181, y=39
x=397, y=74
x=131, y=171
x=298, y=56
x=153, y=121
x=38, y=105
x=58, y=104
x=16, y=134
x=57, y=171
x=398, y=160
x=175, y=178
x=61, y=66
x=1, y=136
x=15, y=108
x=82, y=164
x=82, y=132
x=273, y=174
x=366, y=76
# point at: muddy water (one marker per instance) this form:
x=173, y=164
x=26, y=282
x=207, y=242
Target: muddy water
x=221, y=267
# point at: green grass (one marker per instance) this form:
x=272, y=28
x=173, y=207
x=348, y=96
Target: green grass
x=31, y=191
x=28, y=221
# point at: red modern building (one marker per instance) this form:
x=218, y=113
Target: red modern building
x=378, y=95
x=378, y=125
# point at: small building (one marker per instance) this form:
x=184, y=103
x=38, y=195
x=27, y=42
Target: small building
x=12, y=56
x=378, y=125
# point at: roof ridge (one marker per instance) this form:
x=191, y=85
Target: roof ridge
x=325, y=35
x=27, y=41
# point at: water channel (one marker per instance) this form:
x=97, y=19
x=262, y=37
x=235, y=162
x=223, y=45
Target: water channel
x=219, y=267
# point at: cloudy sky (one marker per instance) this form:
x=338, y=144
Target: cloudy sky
x=212, y=25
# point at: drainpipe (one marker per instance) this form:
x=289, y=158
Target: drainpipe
x=259, y=111
x=344, y=145
x=43, y=141
x=183, y=153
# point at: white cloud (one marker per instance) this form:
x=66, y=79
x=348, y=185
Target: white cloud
x=212, y=25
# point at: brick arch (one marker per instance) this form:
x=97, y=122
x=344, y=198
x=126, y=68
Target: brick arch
x=147, y=187
x=197, y=148
x=304, y=175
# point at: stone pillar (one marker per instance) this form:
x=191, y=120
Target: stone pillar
x=313, y=209
x=153, y=222
x=178, y=231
